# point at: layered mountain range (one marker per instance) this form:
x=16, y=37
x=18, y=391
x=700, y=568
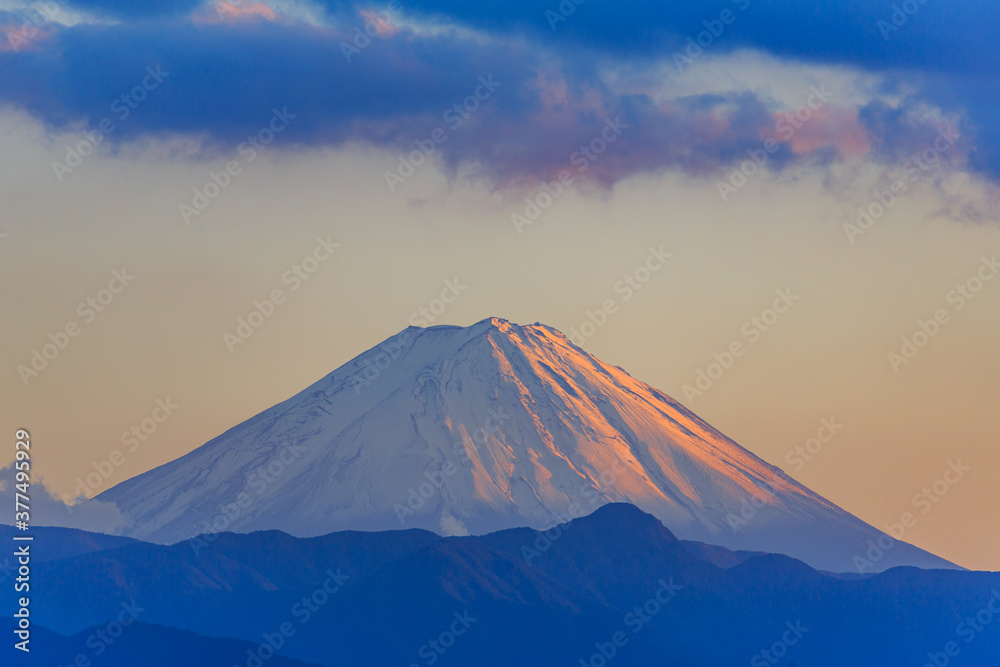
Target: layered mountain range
x=613, y=588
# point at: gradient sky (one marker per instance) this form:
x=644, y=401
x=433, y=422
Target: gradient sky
x=909, y=100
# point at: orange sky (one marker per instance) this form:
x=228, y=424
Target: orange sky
x=826, y=357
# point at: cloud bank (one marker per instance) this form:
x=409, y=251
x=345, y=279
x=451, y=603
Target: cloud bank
x=389, y=75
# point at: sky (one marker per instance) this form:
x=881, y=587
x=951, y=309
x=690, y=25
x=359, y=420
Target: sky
x=206, y=207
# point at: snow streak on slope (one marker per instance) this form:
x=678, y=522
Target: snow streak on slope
x=481, y=428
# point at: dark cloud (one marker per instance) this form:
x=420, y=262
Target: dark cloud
x=945, y=48
x=926, y=35
x=224, y=79
x=936, y=35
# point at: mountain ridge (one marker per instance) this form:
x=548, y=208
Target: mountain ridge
x=396, y=590
x=474, y=429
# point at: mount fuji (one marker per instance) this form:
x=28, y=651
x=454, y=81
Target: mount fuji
x=469, y=430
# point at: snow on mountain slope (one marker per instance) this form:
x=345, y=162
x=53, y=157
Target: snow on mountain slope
x=474, y=429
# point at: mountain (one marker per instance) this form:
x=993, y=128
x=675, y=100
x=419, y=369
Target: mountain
x=62, y=542
x=516, y=596
x=468, y=430
x=138, y=644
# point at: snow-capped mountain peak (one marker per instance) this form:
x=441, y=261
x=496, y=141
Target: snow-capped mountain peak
x=479, y=428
